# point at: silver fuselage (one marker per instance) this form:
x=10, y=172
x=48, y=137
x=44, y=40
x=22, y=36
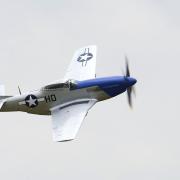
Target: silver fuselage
x=47, y=99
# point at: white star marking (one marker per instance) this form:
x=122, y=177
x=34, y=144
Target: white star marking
x=31, y=101
x=85, y=57
x=23, y=102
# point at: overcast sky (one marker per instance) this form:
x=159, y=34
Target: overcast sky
x=37, y=41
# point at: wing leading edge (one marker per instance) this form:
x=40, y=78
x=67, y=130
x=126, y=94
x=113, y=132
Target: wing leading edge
x=67, y=119
x=83, y=64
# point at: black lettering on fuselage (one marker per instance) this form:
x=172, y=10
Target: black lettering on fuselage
x=53, y=97
x=50, y=98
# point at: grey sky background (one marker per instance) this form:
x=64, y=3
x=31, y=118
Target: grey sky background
x=37, y=41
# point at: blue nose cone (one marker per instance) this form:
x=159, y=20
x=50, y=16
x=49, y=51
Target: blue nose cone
x=131, y=81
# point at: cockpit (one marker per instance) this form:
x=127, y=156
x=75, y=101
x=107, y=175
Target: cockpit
x=70, y=84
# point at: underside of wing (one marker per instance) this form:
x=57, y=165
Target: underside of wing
x=67, y=119
x=83, y=64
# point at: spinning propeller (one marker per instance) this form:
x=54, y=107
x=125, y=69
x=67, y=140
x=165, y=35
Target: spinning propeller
x=131, y=89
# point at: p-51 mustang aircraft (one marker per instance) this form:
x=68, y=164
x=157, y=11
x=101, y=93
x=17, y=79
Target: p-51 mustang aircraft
x=69, y=101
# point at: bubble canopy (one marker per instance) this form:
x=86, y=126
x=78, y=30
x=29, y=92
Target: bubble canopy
x=70, y=84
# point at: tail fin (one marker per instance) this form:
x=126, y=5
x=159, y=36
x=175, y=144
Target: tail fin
x=2, y=90
x=2, y=95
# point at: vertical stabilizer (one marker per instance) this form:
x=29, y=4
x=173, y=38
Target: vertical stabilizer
x=2, y=95
x=2, y=90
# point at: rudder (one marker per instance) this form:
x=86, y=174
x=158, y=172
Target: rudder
x=2, y=90
x=3, y=97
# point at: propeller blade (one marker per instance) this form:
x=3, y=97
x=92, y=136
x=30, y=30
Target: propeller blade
x=129, y=96
x=131, y=90
x=127, y=67
x=134, y=90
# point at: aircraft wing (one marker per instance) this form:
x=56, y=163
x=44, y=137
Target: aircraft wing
x=83, y=64
x=67, y=119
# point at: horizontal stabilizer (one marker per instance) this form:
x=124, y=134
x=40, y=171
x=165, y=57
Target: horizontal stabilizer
x=4, y=97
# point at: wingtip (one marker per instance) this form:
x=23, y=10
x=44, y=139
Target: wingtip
x=62, y=140
x=90, y=46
